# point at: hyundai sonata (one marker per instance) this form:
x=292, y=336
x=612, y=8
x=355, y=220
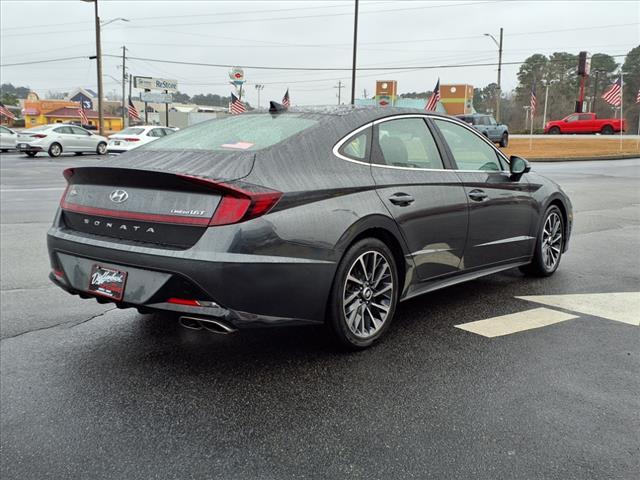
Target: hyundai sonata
x=304, y=217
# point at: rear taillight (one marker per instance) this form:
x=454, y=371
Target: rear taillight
x=131, y=139
x=240, y=200
x=38, y=135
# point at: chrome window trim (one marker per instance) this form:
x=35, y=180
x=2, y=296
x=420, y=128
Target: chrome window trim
x=342, y=141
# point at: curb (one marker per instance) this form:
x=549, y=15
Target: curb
x=582, y=159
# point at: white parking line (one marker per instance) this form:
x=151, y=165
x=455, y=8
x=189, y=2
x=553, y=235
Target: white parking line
x=618, y=306
x=516, y=322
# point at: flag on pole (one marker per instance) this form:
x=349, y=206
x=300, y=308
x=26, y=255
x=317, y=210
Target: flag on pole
x=236, y=106
x=285, y=100
x=533, y=103
x=434, y=99
x=613, y=95
x=638, y=96
x=5, y=112
x=133, y=112
x=83, y=115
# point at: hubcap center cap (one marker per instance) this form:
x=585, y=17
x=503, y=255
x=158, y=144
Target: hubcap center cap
x=367, y=293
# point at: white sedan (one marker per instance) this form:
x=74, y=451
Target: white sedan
x=57, y=138
x=133, y=137
x=7, y=139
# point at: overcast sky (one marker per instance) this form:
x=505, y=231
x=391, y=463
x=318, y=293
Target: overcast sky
x=302, y=34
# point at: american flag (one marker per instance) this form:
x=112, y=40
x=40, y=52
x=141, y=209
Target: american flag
x=236, y=106
x=4, y=111
x=533, y=103
x=434, y=99
x=285, y=100
x=82, y=114
x=133, y=113
x=613, y=94
x=638, y=97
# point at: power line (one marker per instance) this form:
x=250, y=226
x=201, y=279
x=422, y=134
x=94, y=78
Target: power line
x=51, y=60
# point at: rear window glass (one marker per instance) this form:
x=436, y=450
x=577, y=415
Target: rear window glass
x=243, y=132
x=131, y=131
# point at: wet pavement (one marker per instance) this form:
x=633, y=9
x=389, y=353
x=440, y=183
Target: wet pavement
x=89, y=391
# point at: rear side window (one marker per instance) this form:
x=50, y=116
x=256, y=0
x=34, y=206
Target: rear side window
x=245, y=132
x=63, y=130
x=469, y=150
x=357, y=147
x=408, y=143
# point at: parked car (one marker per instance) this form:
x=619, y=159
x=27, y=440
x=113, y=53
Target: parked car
x=86, y=126
x=487, y=125
x=7, y=139
x=302, y=217
x=57, y=138
x=134, y=137
x=584, y=123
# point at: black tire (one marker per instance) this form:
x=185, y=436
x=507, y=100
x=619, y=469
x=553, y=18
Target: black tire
x=554, y=131
x=504, y=141
x=607, y=130
x=30, y=154
x=55, y=150
x=540, y=265
x=365, y=296
x=101, y=149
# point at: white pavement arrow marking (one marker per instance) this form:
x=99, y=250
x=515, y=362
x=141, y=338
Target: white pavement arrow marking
x=618, y=306
x=515, y=322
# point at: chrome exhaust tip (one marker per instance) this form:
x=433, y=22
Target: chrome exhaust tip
x=213, y=326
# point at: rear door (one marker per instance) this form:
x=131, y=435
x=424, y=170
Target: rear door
x=426, y=200
x=84, y=139
x=65, y=136
x=501, y=209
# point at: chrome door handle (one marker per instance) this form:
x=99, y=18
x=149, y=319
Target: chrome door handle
x=401, y=199
x=477, y=195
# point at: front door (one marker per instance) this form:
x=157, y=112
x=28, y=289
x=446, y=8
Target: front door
x=83, y=139
x=426, y=200
x=501, y=208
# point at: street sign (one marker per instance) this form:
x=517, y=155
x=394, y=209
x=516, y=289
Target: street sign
x=150, y=83
x=236, y=74
x=156, y=97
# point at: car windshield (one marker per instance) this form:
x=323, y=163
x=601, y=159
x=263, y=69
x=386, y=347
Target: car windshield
x=131, y=131
x=241, y=132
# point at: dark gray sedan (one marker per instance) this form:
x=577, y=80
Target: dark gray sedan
x=303, y=217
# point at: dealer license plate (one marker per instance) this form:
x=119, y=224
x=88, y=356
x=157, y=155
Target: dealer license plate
x=107, y=282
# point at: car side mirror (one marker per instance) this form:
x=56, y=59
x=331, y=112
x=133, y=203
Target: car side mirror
x=518, y=166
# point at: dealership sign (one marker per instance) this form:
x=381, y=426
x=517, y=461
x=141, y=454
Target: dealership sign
x=150, y=83
x=156, y=97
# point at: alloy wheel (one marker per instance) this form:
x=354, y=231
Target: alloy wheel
x=551, y=241
x=368, y=294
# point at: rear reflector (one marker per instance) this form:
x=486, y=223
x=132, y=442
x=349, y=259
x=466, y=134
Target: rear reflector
x=38, y=135
x=183, y=301
x=131, y=139
x=241, y=201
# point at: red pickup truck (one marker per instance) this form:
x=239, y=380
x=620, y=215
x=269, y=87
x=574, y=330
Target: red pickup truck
x=584, y=123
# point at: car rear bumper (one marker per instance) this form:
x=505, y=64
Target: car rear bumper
x=243, y=291
x=29, y=148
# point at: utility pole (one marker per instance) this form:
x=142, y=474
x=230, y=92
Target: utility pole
x=499, y=45
x=546, y=98
x=355, y=49
x=99, y=62
x=124, y=82
x=259, y=87
x=339, y=87
x=129, y=99
x=595, y=91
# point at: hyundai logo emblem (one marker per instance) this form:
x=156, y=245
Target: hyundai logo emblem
x=119, y=196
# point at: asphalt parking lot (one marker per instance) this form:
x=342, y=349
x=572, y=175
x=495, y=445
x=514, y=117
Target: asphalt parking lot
x=89, y=391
